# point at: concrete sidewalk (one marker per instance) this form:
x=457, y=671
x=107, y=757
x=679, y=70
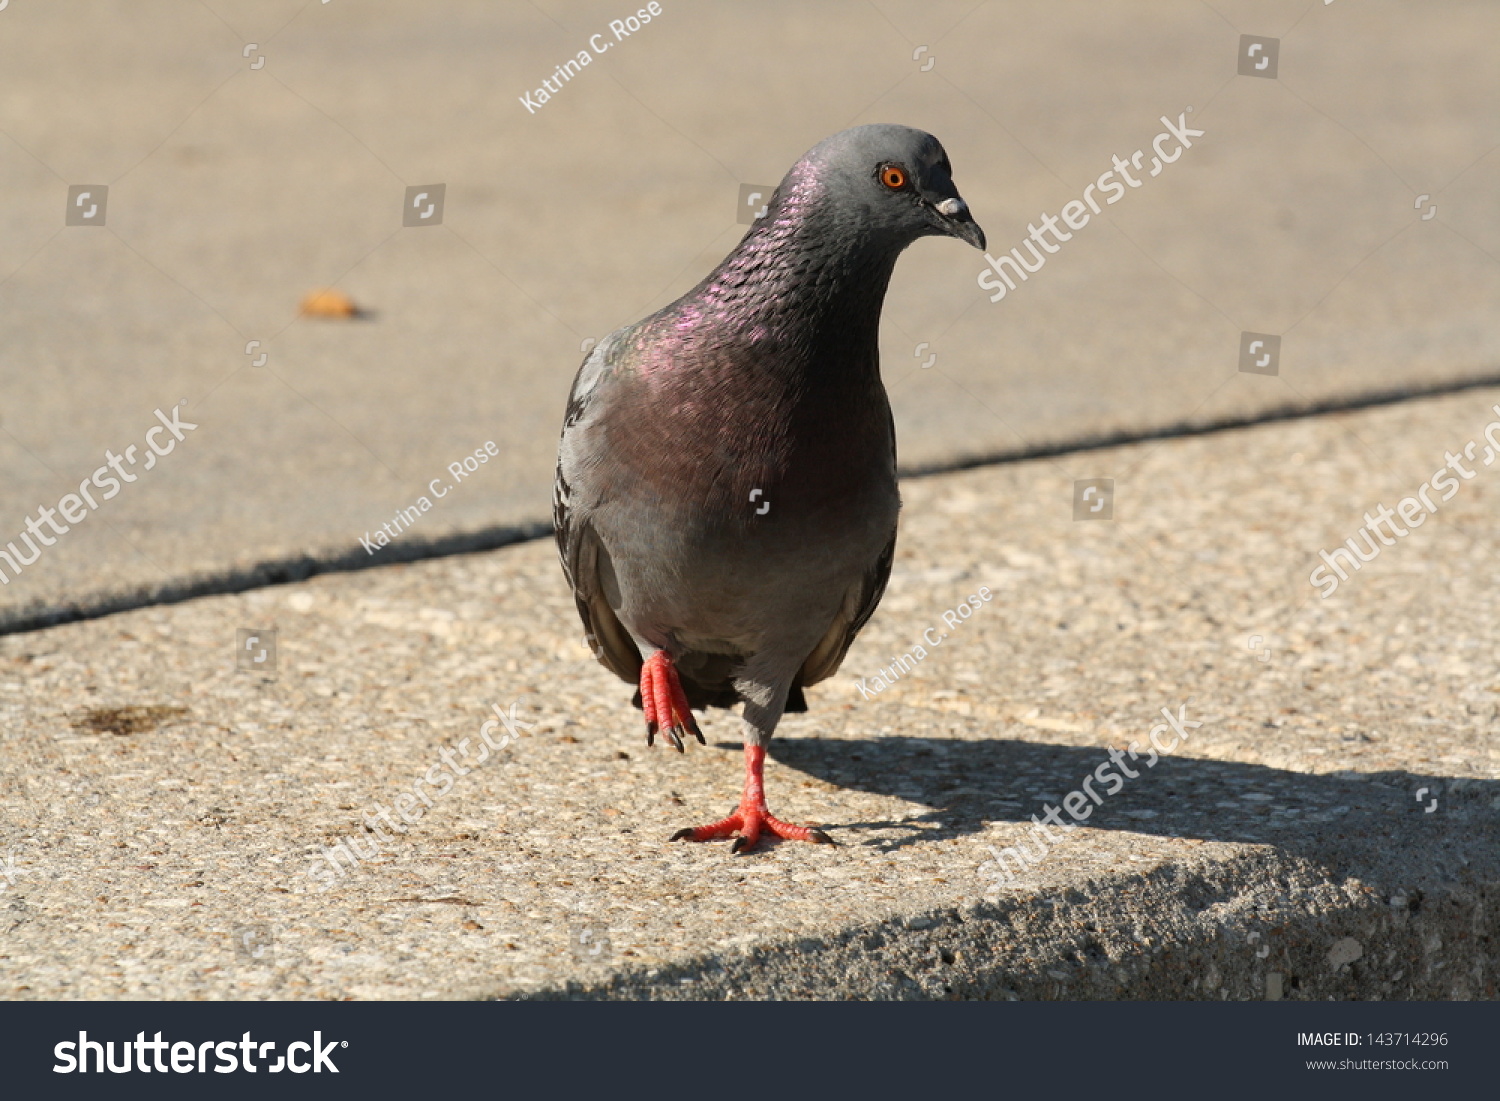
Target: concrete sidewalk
x=256, y=151
x=1329, y=831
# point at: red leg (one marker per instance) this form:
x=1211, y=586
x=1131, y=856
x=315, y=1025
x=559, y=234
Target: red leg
x=753, y=816
x=665, y=703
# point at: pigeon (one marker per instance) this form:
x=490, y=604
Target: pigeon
x=725, y=503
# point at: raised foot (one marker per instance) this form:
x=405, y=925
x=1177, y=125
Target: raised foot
x=665, y=703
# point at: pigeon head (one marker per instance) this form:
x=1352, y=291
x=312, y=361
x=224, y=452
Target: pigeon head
x=810, y=274
x=892, y=183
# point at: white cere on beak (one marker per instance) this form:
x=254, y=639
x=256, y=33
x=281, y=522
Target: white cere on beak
x=951, y=207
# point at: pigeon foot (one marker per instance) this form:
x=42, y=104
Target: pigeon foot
x=753, y=818
x=665, y=703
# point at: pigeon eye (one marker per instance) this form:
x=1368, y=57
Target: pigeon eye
x=893, y=176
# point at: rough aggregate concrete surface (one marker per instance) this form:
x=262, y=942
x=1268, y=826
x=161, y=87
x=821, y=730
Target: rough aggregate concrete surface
x=1329, y=831
x=234, y=190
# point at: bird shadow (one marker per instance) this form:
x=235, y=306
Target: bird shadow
x=1354, y=822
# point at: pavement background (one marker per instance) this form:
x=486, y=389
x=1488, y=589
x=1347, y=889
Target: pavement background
x=1332, y=830
x=255, y=151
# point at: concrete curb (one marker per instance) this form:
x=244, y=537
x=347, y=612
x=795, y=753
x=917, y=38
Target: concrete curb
x=1179, y=932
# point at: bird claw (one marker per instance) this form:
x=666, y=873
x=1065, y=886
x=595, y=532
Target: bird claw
x=669, y=735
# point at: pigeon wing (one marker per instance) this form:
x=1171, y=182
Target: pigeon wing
x=572, y=500
x=828, y=655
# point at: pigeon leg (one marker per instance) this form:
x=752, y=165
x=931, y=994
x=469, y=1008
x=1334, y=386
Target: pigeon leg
x=665, y=703
x=753, y=816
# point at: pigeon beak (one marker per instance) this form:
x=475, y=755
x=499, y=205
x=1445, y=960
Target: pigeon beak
x=958, y=222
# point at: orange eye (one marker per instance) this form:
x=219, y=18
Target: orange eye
x=893, y=176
